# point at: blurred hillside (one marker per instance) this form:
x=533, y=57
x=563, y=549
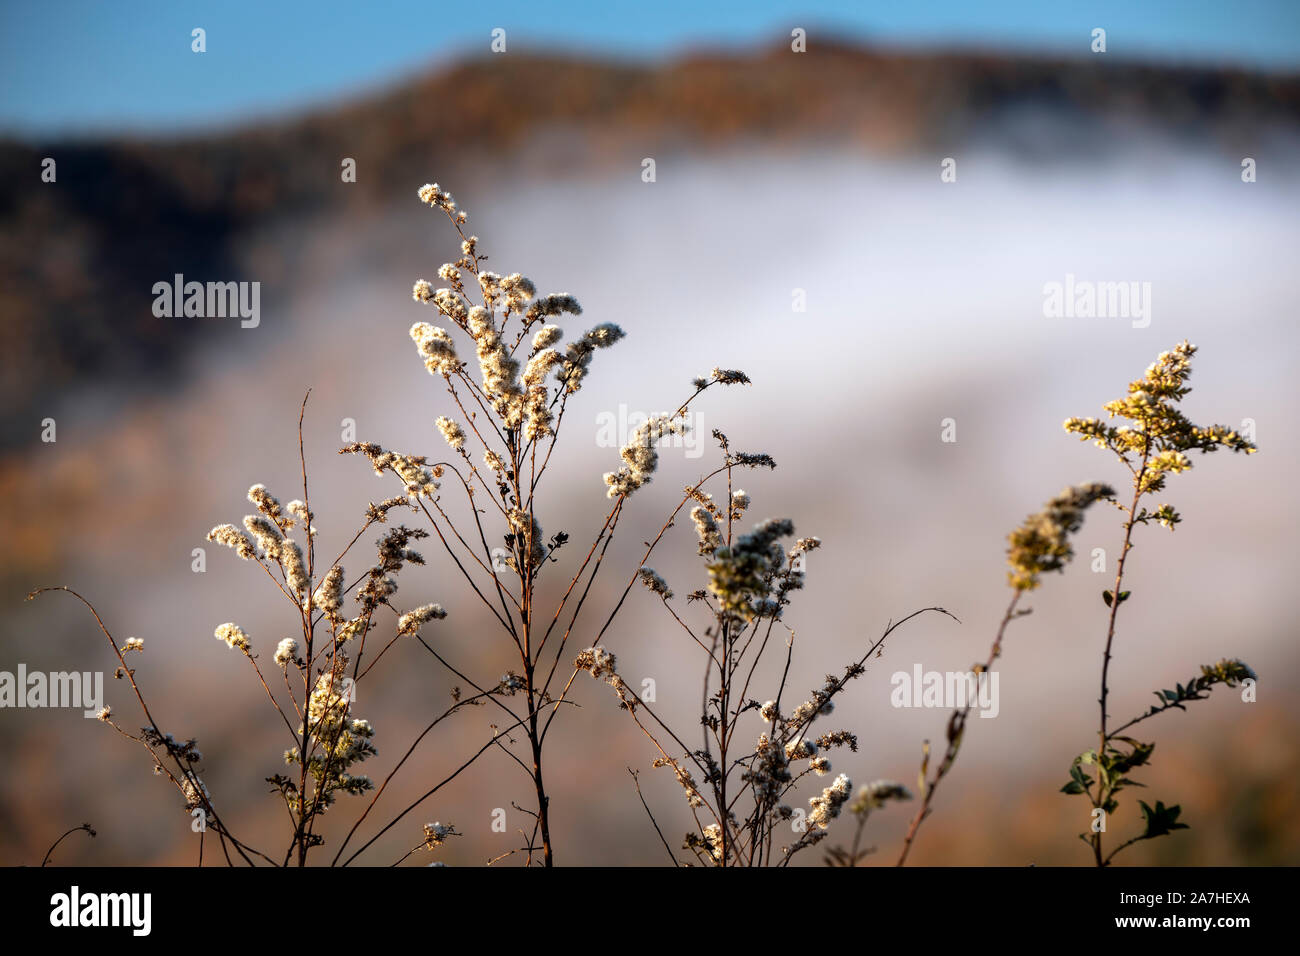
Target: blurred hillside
x=77, y=262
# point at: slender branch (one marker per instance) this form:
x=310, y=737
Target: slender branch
x=89, y=829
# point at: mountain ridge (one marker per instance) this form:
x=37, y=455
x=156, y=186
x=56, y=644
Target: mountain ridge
x=128, y=212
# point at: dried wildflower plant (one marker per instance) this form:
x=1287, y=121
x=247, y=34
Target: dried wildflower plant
x=313, y=694
x=501, y=421
x=741, y=785
x=1152, y=447
x=755, y=786
x=508, y=415
x=1041, y=544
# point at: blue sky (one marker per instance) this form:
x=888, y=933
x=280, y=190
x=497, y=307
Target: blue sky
x=70, y=66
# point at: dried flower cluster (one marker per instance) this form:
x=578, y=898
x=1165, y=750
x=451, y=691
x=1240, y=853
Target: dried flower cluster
x=501, y=426
x=1042, y=543
x=755, y=756
x=1152, y=448
x=754, y=789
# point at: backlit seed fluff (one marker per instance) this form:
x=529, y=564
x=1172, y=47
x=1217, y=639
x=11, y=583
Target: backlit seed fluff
x=234, y=637
x=517, y=290
x=800, y=749
x=479, y=321
x=436, y=196
x=876, y=794
x=540, y=365
x=707, y=529
x=329, y=595
x=435, y=834
x=527, y=531
x=651, y=579
x=266, y=503
x=738, y=574
x=640, y=455
x=352, y=629
x=713, y=836
x=268, y=535
x=286, y=651
x=232, y=537
x=294, y=569
x=827, y=807
x=539, y=415
x=412, y=621
x=604, y=335
x=300, y=515
x=546, y=337
x=739, y=502
x=804, y=545
x=597, y=661
x=437, y=348
x=452, y=432
x=577, y=355
x=729, y=376
x=556, y=303
x=490, y=284
x=449, y=304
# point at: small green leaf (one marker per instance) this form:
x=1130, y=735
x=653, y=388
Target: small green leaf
x=1108, y=597
x=1161, y=820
